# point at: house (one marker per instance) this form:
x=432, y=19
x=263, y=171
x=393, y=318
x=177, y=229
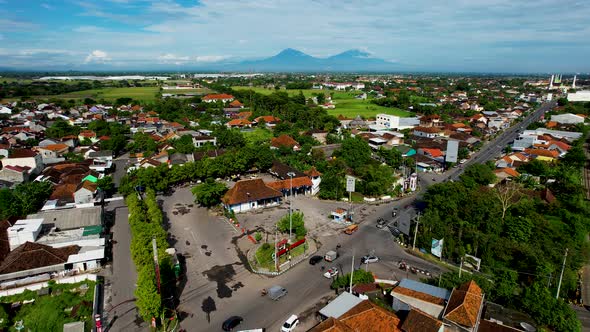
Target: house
x=247, y=195
x=363, y=317
x=428, y=132
x=394, y=122
x=559, y=146
x=212, y=98
x=268, y=120
x=84, y=193
x=432, y=153
x=316, y=179
x=284, y=141
x=149, y=162
x=414, y=294
x=200, y=140
x=236, y=104
x=419, y=321
x=101, y=160
x=24, y=158
x=512, y=160
x=15, y=174
x=430, y=120
x=541, y=154
x=34, y=258
x=88, y=134
x=295, y=186
x=239, y=123
x=506, y=173
x=319, y=135
x=52, y=153
x=464, y=307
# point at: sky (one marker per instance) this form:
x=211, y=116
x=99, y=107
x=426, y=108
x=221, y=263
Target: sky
x=424, y=35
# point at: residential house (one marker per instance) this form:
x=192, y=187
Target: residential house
x=363, y=317
x=85, y=192
x=464, y=307
x=318, y=135
x=268, y=120
x=428, y=132
x=101, y=160
x=432, y=153
x=32, y=258
x=14, y=174
x=149, y=162
x=559, y=146
x=430, y=121
x=357, y=123
x=410, y=294
x=24, y=158
x=541, y=154
x=212, y=98
x=53, y=153
x=236, y=104
x=316, y=179
x=239, y=123
x=248, y=195
x=419, y=321
x=284, y=141
x=88, y=134
x=200, y=140
x=506, y=173
x=512, y=160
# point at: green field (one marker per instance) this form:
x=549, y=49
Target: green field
x=197, y=91
x=109, y=94
x=346, y=103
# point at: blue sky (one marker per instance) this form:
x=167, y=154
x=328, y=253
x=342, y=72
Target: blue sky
x=463, y=35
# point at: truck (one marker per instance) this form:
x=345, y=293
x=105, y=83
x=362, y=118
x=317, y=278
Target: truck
x=351, y=229
x=330, y=256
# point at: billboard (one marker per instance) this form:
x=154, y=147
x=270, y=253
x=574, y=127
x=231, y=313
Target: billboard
x=452, y=151
x=472, y=262
x=436, y=248
x=403, y=224
x=350, y=184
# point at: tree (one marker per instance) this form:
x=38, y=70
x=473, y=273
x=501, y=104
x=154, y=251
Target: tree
x=478, y=174
x=106, y=184
x=209, y=193
x=297, y=223
x=391, y=157
x=463, y=153
x=359, y=277
x=562, y=101
x=229, y=137
x=507, y=194
x=184, y=144
x=61, y=128
x=148, y=300
x=355, y=151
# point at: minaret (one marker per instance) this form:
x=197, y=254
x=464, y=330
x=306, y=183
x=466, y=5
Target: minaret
x=551, y=83
x=574, y=83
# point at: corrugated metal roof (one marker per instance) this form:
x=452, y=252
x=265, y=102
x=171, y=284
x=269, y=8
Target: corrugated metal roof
x=340, y=305
x=417, y=286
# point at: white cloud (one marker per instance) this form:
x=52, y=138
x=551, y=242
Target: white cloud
x=47, y=6
x=210, y=58
x=170, y=58
x=97, y=56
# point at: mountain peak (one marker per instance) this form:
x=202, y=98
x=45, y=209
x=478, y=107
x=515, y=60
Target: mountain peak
x=291, y=52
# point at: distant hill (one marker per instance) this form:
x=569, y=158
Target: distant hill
x=294, y=60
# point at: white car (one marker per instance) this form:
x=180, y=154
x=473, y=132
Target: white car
x=290, y=324
x=331, y=273
x=369, y=259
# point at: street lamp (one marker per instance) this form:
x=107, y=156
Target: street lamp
x=291, y=175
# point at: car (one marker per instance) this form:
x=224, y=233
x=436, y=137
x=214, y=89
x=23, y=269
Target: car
x=433, y=179
x=369, y=259
x=395, y=231
x=231, y=323
x=381, y=223
x=331, y=273
x=290, y=324
x=315, y=259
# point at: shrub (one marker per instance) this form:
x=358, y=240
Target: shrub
x=258, y=237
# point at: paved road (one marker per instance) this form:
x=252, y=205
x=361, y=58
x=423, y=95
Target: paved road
x=494, y=148
x=121, y=276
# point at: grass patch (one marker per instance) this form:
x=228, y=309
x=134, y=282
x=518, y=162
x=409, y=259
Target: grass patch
x=197, y=91
x=257, y=136
x=346, y=103
x=357, y=197
x=264, y=255
x=146, y=94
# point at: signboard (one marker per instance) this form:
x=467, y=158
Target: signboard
x=403, y=224
x=350, y=184
x=436, y=248
x=472, y=262
x=452, y=151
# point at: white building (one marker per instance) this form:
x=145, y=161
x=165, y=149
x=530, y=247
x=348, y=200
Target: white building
x=24, y=158
x=567, y=118
x=579, y=96
x=24, y=230
x=396, y=122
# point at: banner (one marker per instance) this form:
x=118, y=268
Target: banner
x=472, y=262
x=436, y=248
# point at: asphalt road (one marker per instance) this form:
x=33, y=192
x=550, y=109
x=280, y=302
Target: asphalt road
x=494, y=148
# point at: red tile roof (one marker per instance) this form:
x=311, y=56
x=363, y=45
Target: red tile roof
x=563, y=146
x=218, y=96
x=236, y=103
x=87, y=134
x=56, y=147
x=313, y=172
x=239, y=123
x=21, y=153
x=283, y=140
x=509, y=171
x=268, y=119
x=418, y=321
x=20, y=169
x=249, y=190
x=368, y=317
x=331, y=325
x=465, y=304
x=433, y=152
x=430, y=130
x=286, y=184
x=244, y=115
x=542, y=153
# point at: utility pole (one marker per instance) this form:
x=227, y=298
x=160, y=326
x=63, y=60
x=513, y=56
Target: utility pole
x=460, y=267
x=416, y=231
x=351, y=272
x=291, y=174
x=276, y=253
x=561, y=275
